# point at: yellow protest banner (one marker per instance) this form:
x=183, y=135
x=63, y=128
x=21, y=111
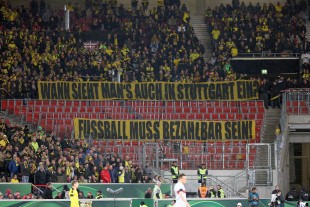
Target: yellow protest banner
x=164, y=130
x=228, y=90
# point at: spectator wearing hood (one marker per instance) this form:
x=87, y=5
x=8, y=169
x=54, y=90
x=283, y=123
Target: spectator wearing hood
x=292, y=195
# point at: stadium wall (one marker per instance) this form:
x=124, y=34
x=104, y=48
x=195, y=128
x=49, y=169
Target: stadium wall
x=283, y=168
x=296, y=130
x=195, y=6
x=119, y=202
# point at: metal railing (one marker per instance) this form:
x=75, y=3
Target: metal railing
x=260, y=171
x=189, y=156
x=267, y=54
x=230, y=188
x=296, y=101
x=64, y=111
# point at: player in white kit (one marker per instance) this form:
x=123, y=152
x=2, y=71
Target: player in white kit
x=180, y=193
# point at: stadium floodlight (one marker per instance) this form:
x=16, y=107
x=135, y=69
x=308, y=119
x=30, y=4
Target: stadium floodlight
x=264, y=71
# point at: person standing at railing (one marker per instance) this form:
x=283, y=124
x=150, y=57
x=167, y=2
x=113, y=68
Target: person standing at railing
x=14, y=166
x=105, y=176
x=121, y=175
x=25, y=171
x=202, y=173
x=175, y=172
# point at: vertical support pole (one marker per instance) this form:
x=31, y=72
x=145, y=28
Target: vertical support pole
x=276, y=155
x=67, y=18
x=201, y=155
x=157, y=156
x=223, y=158
x=143, y=154
x=118, y=76
x=181, y=157
x=247, y=156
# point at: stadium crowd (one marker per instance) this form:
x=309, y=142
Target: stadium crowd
x=140, y=45
x=40, y=158
x=274, y=28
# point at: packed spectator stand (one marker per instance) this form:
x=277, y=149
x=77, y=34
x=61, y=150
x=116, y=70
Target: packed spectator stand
x=158, y=45
x=255, y=28
x=140, y=45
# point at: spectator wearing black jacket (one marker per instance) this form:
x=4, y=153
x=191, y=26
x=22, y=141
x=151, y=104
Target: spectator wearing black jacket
x=65, y=192
x=48, y=193
x=293, y=195
x=41, y=175
x=279, y=202
x=304, y=84
x=148, y=193
x=304, y=195
x=90, y=196
x=263, y=93
x=25, y=171
x=275, y=92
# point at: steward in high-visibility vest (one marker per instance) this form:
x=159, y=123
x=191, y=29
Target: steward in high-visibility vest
x=202, y=191
x=157, y=194
x=142, y=204
x=220, y=192
x=211, y=193
x=99, y=195
x=202, y=173
x=175, y=172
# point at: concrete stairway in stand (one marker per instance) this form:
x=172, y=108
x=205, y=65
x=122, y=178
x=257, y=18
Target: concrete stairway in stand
x=272, y=119
x=201, y=31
